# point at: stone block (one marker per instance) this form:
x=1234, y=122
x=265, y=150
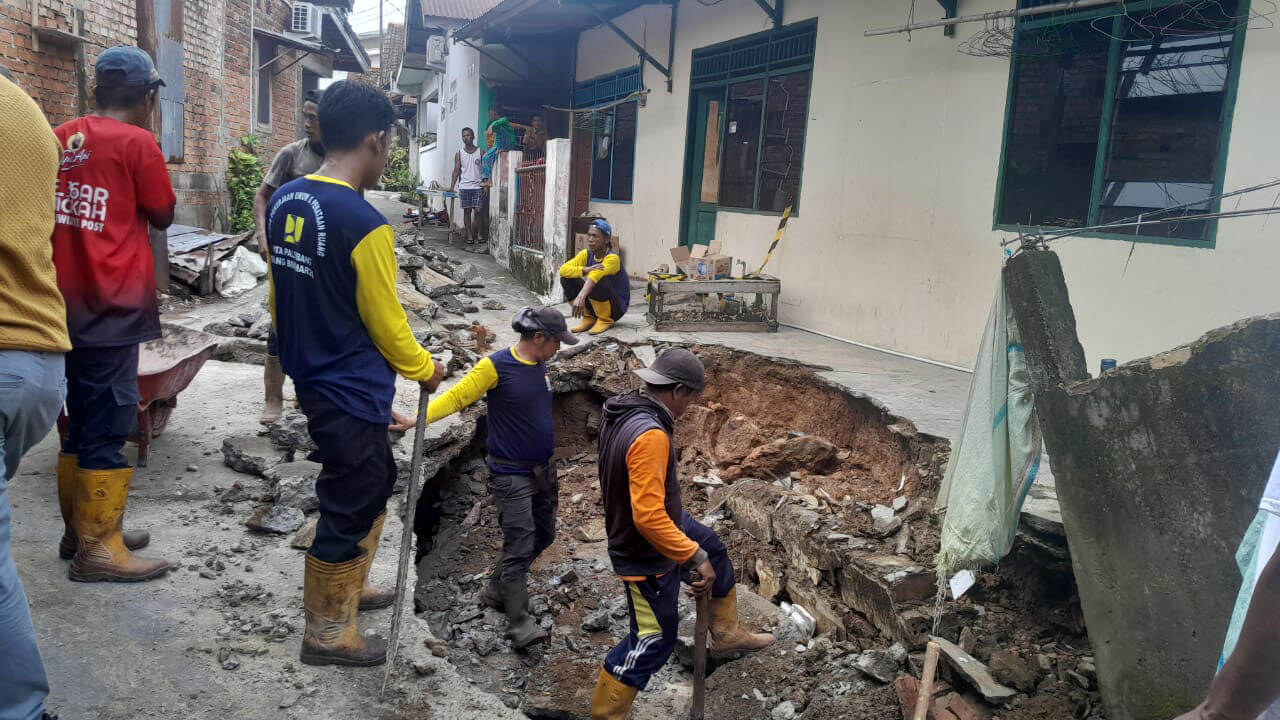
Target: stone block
x=433, y=284
x=295, y=484
x=825, y=613
x=753, y=507
x=252, y=454
x=772, y=578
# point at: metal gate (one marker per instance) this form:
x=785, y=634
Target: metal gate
x=531, y=183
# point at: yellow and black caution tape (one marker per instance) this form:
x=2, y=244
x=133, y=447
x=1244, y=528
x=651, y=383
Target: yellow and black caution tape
x=782, y=225
x=655, y=276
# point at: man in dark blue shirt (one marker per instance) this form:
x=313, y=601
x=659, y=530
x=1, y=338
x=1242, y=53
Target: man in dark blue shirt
x=343, y=337
x=521, y=440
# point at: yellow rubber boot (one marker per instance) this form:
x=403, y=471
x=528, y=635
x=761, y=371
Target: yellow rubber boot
x=612, y=699
x=374, y=598
x=330, y=597
x=588, y=320
x=604, y=317
x=133, y=539
x=96, y=514
x=727, y=636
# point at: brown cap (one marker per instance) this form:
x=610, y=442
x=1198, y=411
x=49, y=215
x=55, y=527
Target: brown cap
x=676, y=366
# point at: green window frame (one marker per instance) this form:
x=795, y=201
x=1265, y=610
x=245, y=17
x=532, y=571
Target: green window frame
x=612, y=163
x=1120, y=101
x=761, y=69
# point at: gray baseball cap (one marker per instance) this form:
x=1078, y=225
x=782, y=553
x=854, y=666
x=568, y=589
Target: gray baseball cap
x=543, y=319
x=134, y=66
x=676, y=366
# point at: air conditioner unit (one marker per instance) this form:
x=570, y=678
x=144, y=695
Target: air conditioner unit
x=304, y=21
x=435, y=50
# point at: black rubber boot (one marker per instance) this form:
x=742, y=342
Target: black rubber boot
x=521, y=627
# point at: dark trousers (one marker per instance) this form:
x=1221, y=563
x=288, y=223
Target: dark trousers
x=602, y=291
x=356, y=480
x=102, y=404
x=653, y=604
x=527, y=515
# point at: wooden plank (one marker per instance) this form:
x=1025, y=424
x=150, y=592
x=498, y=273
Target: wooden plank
x=711, y=155
x=720, y=286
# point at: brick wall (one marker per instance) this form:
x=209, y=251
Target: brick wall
x=392, y=51
x=218, y=72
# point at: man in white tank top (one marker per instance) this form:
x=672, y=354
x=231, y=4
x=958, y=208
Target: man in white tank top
x=468, y=179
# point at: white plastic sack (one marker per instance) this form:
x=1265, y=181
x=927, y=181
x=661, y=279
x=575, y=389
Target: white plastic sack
x=995, y=458
x=239, y=273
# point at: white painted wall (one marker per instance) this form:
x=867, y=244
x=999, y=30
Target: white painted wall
x=459, y=107
x=893, y=243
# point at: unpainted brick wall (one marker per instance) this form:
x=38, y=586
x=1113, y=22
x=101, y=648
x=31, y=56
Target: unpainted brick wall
x=218, y=68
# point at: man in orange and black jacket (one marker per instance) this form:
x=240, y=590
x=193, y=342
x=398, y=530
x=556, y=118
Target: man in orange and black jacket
x=653, y=543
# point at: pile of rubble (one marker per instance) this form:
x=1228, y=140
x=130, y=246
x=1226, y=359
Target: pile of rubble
x=825, y=502
x=436, y=291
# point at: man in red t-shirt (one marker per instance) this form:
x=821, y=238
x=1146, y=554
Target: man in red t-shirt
x=112, y=181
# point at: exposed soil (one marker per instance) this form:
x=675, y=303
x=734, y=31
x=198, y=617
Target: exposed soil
x=757, y=418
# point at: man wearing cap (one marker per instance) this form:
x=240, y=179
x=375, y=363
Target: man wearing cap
x=521, y=439
x=112, y=181
x=653, y=543
x=595, y=282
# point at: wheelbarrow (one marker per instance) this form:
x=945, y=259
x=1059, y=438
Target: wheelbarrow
x=165, y=368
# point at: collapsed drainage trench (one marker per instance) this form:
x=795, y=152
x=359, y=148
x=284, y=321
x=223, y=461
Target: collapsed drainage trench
x=765, y=438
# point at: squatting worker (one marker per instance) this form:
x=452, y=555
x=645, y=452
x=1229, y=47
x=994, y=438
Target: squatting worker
x=653, y=543
x=343, y=337
x=520, y=443
x=298, y=158
x=595, y=282
x=33, y=339
x=112, y=181
x=468, y=180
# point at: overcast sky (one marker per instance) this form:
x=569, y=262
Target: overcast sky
x=364, y=16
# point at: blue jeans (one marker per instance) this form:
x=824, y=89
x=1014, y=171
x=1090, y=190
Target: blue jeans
x=32, y=389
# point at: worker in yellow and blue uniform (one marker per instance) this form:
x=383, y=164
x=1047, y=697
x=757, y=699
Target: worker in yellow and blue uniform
x=343, y=337
x=595, y=282
x=521, y=439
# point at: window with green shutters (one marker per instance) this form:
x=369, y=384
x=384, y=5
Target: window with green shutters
x=1112, y=116
x=767, y=80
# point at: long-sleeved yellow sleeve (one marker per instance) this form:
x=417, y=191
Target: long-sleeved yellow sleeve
x=611, y=265
x=481, y=379
x=374, y=260
x=647, y=469
x=573, y=268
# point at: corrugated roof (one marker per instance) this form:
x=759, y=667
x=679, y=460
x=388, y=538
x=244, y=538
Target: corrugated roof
x=458, y=9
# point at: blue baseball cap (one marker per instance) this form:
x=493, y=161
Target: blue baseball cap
x=603, y=226
x=135, y=68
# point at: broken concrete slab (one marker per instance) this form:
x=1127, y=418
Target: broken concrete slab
x=290, y=433
x=277, y=519
x=241, y=350
x=417, y=303
x=433, y=284
x=295, y=484
x=974, y=672
x=1159, y=467
x=252, y=454
x=306, y=535
x=878, y=664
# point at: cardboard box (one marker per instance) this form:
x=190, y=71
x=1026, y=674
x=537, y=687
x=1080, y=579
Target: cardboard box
x=703, y=262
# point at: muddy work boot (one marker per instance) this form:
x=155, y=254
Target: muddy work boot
x=133, y=539
x=96, y=514
x=374, y=598
x=521, y=626
x=273, y=391
x=612, y=699
x=330, y=597
x=727, y=636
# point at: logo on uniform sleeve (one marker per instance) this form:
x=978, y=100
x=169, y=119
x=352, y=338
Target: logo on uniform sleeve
x=73, y=153
x=293, y=229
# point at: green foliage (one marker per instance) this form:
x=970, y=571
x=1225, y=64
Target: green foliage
x=244, y=176
x=397, y=175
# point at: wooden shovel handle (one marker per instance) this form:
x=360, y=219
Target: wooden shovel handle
x=926, y=681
